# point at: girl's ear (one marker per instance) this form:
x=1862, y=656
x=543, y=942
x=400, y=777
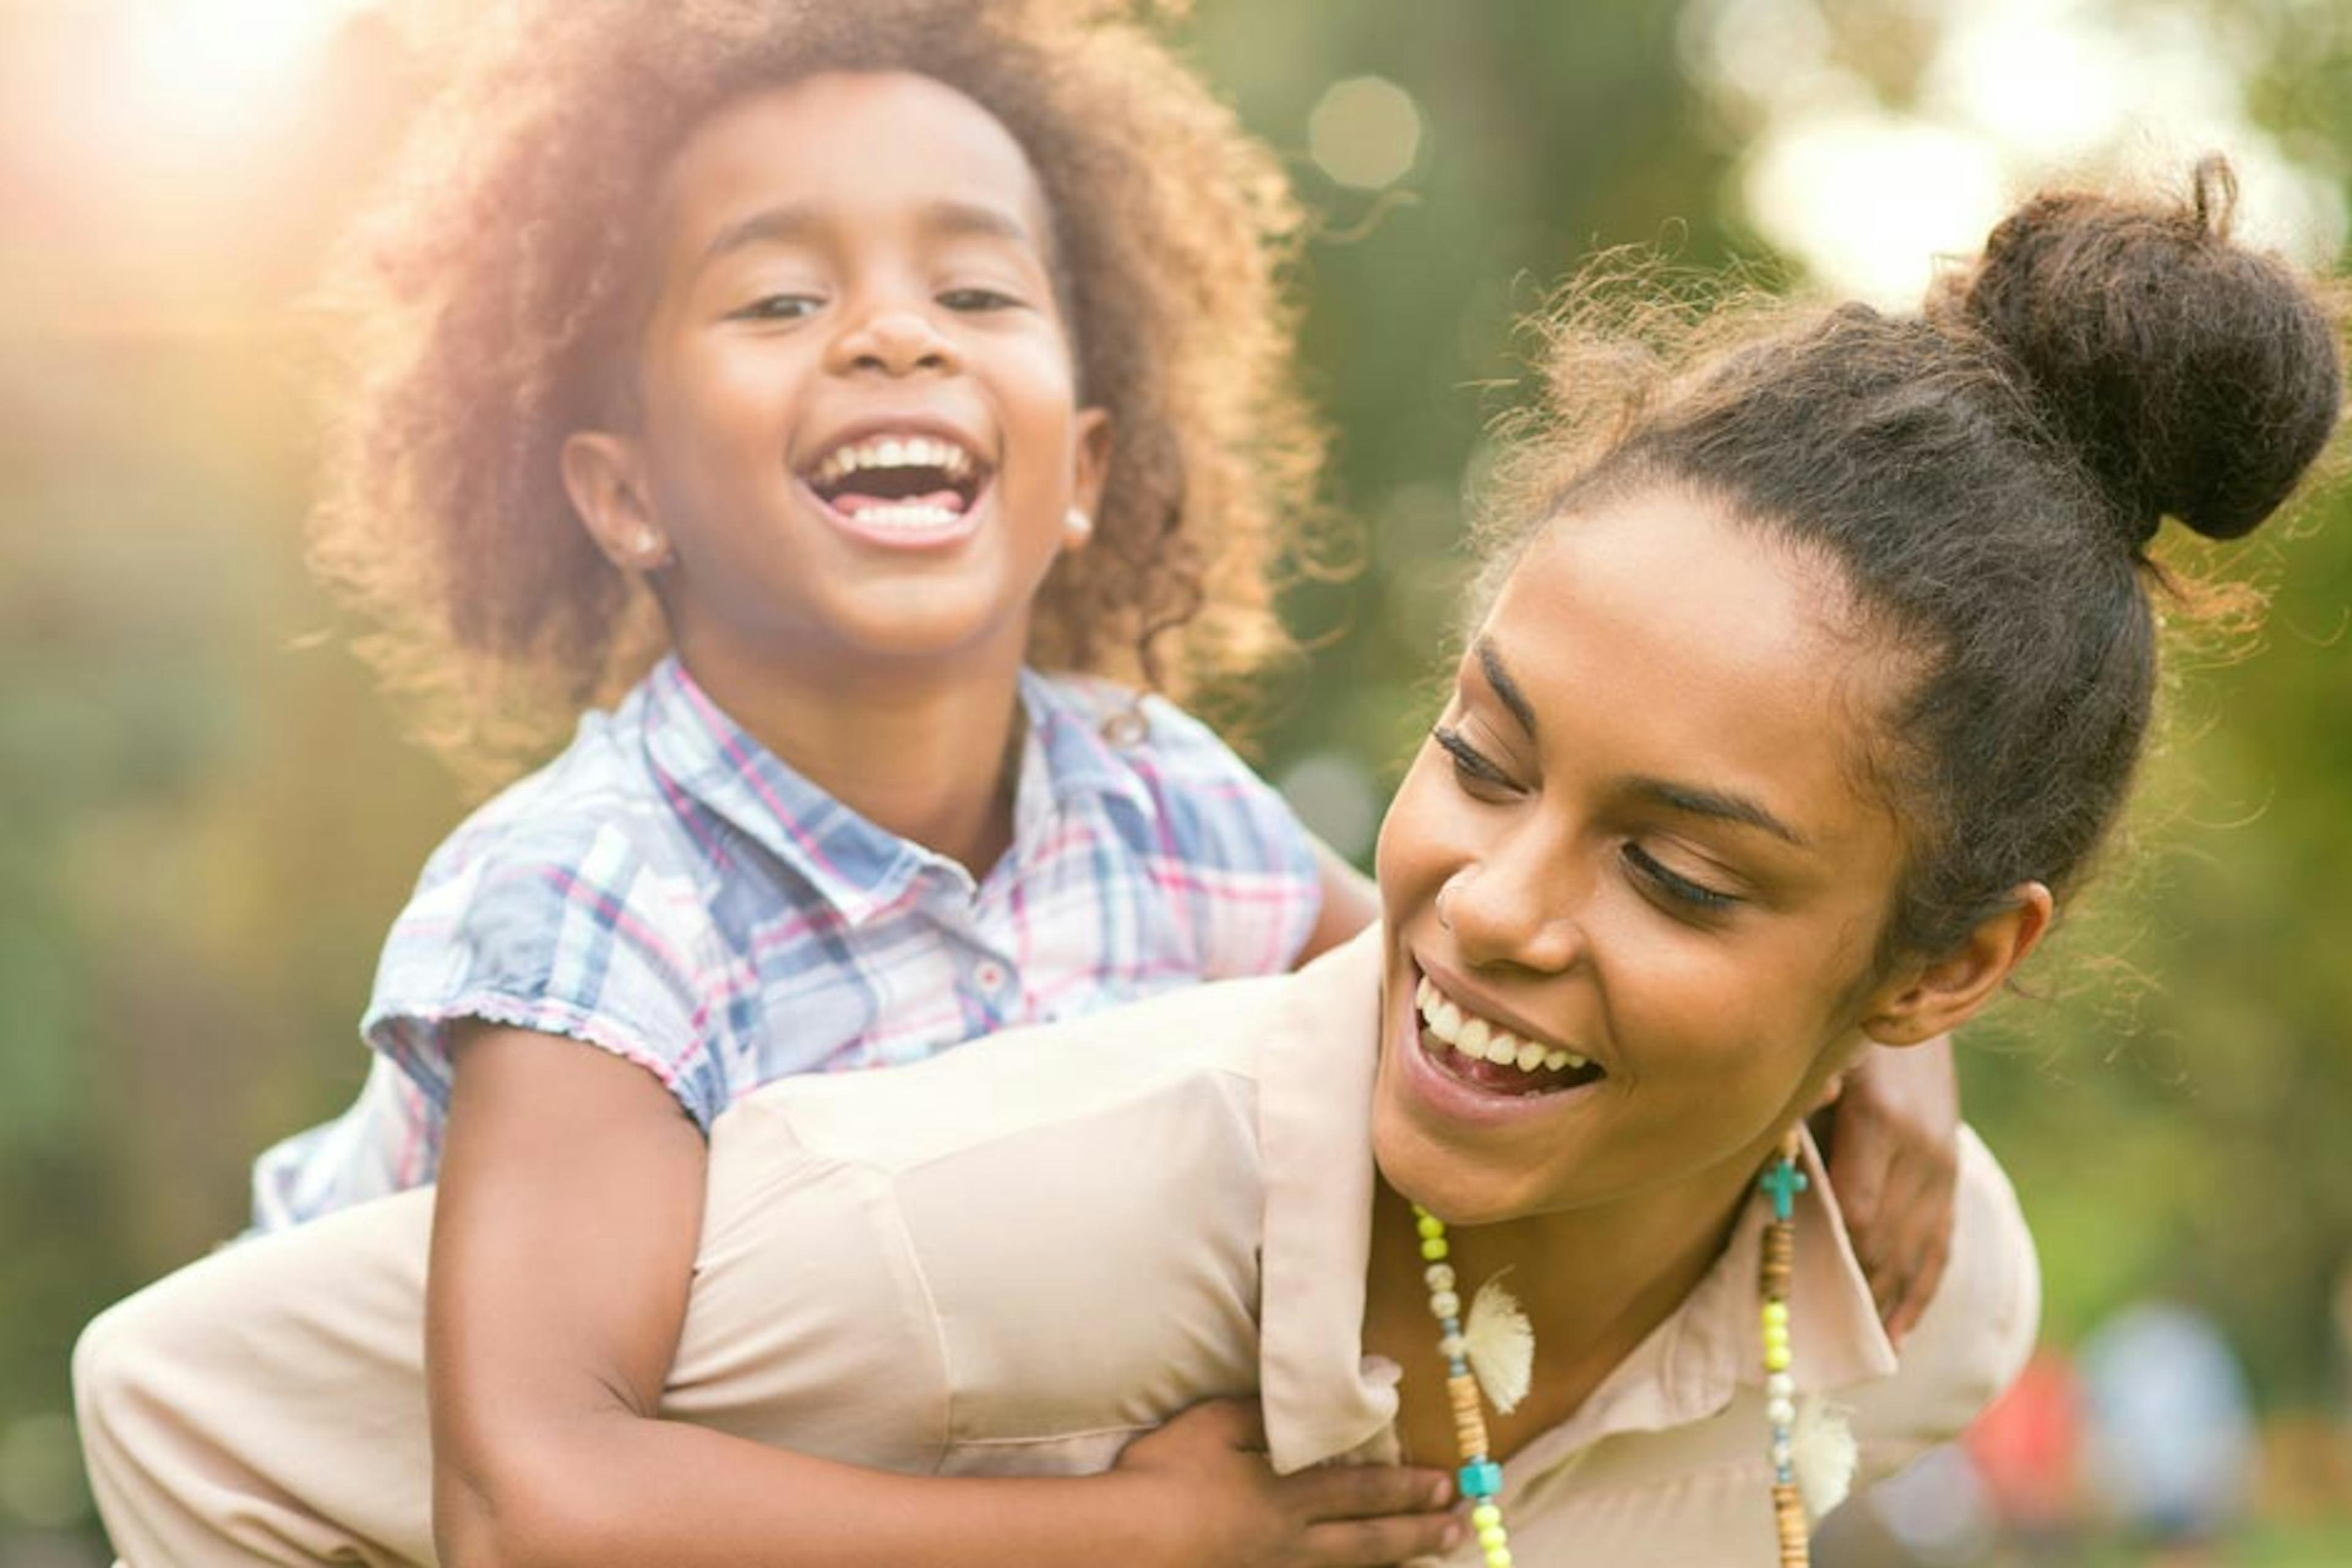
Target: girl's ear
x=1090, y=466
x=1935, y=998
x=604, y=476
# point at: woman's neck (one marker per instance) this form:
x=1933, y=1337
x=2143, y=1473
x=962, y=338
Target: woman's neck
x=1593, y=1282
x=927, y=753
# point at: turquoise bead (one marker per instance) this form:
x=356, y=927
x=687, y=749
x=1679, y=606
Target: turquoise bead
x=1482, y=1479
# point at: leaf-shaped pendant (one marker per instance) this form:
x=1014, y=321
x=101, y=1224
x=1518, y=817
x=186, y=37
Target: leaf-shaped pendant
x=1500, y=1345
x=1821, y=1452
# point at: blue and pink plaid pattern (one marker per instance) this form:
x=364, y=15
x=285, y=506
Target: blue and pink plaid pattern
x=669, y=891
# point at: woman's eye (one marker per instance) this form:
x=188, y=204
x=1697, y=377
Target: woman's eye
x=778, y=308
x=1673, y=885
x=978, y=300
x=1472, y=768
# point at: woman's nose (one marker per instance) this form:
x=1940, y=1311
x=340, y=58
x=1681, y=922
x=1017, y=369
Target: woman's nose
x=1502, y=910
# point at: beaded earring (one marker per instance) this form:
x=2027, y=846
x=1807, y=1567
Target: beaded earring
x=1781, y=1182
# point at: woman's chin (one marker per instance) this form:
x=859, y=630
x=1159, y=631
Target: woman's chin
x=1456, y=1185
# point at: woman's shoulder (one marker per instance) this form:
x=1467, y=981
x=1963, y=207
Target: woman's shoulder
x=1976, y=1331
x=1197, y=1045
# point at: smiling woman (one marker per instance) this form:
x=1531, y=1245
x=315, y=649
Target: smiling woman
x=1797, y=704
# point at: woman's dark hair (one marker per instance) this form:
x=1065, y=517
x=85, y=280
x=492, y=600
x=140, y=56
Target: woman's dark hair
x=1987, y=476
x=488, y=299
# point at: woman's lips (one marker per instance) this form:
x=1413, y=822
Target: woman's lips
x=1490, y=1056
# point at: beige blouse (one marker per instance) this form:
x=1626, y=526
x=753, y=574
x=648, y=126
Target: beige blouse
x=1011, y=1260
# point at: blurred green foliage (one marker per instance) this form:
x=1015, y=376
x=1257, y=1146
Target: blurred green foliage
x=211, y=816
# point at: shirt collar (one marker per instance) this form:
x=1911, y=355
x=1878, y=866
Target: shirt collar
x=1314, y=1151
x=1068, y=756
x=701, y=755
x=1324, y=1400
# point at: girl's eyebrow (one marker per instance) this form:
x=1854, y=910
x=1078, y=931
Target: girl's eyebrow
x=785, y=224
x=769, y=224
x=1720, y=804
x=955, y=218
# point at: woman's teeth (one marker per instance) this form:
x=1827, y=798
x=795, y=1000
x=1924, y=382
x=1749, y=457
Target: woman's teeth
x=1482, y=1041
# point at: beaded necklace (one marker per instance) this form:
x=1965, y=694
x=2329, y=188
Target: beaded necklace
x=1497, y=1346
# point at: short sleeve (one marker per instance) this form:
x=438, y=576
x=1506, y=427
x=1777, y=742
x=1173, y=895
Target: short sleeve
x=567, y=928
x=1976, y=1334
x=1235, y=852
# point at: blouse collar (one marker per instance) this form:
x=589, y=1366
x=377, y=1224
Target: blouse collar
x=1325, y=1399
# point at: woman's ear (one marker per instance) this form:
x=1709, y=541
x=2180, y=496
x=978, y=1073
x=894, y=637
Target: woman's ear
x=1937, y=997
x=604, y=476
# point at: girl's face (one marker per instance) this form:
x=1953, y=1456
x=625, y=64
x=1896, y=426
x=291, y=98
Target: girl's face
x=860, y=438
x=1639, y=849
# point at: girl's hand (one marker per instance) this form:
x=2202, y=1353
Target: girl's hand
x=1895, y=1160
x=1228, y=1508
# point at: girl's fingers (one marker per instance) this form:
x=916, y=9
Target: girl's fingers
x=1366, y=1493
x=1366, y=1542
x=1917, y=1291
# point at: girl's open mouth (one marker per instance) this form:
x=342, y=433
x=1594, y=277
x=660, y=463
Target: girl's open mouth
x=901, y=491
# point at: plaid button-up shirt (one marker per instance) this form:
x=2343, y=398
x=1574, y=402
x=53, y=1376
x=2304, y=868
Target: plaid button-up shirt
x=669, y=891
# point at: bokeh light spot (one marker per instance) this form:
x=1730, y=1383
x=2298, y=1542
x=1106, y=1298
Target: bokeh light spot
x=1365, y=132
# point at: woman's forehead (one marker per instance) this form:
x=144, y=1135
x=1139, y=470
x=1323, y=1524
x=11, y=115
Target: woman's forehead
x=1661, y=637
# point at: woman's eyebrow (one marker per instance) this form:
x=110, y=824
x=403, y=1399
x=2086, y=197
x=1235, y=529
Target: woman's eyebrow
x=1720, y=804
x=1504, y=687
x=1717, y=804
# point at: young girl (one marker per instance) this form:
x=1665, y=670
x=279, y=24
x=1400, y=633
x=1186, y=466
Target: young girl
x=867, y=359
x=846, y=365
x=1809, y=673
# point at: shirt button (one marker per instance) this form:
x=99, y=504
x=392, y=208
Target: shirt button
x=988, y=976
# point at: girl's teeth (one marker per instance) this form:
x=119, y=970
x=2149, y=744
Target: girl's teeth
x=906, y=517
x=1472, y=1042
x=1555, y=1060
x=1448, y=1019
x=1502, y=1050
x=1531, y=1057
x=894, y=452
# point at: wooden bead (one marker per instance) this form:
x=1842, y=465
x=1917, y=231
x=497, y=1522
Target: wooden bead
x=1788, y=1517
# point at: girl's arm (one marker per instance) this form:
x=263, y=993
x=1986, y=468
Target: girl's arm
x=570, y=1209
x=1351, y=902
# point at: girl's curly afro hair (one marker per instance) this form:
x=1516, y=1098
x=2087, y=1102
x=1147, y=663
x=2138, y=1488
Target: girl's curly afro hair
x=490, y=297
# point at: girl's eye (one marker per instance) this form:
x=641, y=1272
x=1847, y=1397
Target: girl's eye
x=1676, y=886
x=1472, y=768
x=778, y=308
x=978, y=298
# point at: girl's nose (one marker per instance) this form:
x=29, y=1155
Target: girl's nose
x=895, y=338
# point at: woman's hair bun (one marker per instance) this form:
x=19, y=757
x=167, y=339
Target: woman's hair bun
x=2198, y=378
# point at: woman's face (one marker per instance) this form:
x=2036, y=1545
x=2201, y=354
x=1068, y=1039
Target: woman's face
x=1640, y=855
